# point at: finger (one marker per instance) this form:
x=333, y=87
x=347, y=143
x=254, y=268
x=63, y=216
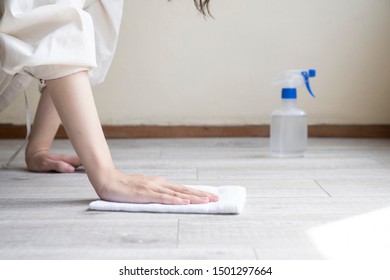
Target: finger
x=58, y=166
x=190, y=191
x=164, y=198
x=72, y=160
x=194, y=199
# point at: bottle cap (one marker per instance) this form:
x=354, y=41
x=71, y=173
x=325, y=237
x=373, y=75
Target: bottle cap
x=289, y=93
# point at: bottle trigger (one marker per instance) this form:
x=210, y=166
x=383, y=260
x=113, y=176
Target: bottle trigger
x=306, y=75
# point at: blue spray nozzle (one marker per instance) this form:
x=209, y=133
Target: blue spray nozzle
x=307, y=75
x=291, y=79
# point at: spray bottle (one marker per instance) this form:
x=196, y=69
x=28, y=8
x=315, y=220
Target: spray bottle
x=289, y=123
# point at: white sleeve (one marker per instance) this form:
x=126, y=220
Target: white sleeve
x=54, y=38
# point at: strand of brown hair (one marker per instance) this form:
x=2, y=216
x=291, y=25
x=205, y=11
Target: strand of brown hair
x=203, y=6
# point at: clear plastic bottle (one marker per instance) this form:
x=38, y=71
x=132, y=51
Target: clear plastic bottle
x=288, y=130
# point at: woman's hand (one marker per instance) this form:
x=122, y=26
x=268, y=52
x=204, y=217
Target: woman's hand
x=150, y=189
x=42, y=160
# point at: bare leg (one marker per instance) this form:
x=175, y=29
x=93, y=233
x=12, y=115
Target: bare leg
x=38, y=156
x=73, y=99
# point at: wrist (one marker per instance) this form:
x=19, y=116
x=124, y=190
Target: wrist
x=33, y=150
x=101, y=176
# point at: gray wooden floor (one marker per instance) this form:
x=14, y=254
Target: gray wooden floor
x=333, y=203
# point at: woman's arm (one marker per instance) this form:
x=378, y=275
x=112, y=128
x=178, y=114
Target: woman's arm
x=73, y=99
x=38, y=155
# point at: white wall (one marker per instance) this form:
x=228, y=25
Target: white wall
x=173, y=67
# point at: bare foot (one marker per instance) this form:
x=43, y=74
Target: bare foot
x=44, y=161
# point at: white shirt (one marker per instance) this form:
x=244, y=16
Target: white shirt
x=48, y=39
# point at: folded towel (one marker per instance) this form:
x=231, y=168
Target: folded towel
x=231, y=201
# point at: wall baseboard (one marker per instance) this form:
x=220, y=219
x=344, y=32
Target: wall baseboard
x=151, y=131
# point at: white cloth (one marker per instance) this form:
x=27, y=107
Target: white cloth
x=48, y=39
x=231, y=201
